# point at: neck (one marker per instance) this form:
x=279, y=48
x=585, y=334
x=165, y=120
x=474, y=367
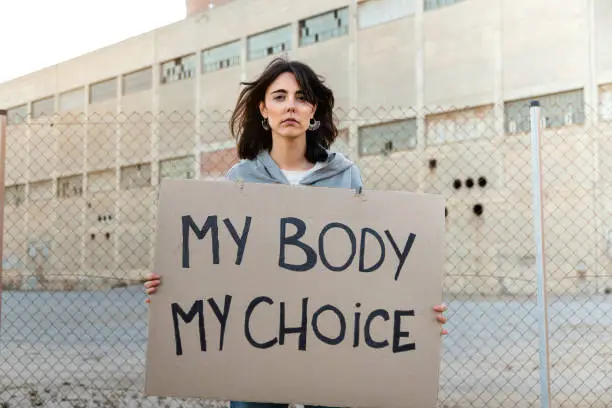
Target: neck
x=290, y=154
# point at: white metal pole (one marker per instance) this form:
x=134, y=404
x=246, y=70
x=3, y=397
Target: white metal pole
x=3, y=125
x=538, y=221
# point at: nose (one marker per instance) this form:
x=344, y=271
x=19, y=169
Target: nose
x=290, y=103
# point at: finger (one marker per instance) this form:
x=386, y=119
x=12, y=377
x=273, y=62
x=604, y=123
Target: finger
x=151, y=284
x=441, y=308
x=152, y=276
x=148, y=300
x=441, y=318
x=149, y=291
x=444, y=332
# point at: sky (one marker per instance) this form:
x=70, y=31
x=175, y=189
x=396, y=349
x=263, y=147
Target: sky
x=40, y=33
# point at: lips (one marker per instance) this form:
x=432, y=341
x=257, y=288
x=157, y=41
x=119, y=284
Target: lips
x=290, y=121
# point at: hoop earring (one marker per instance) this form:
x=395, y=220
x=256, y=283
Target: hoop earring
x=265, y=124
x=314, y=124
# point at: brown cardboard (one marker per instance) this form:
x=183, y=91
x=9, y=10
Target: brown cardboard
x=323, y=374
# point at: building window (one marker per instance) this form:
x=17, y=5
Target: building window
x=41, y=190
x=135, y=176
x=221, y=57
x=72, y=100
x=179, y=168
x=43, y=107
x=15, y=195
x=387, y=137
x=435, y=4
x=101, y=181
x=270, y=42
x=138, y=81
x=460, y=125
x=374, y=12
x=103, y=91
x=178, y=69
x=324, y=26
x=17, y=115
x=71, y=186
x=561, y=109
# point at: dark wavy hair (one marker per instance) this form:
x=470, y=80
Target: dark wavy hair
x=245, y=123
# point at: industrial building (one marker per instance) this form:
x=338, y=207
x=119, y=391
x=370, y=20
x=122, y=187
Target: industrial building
x=432, y=95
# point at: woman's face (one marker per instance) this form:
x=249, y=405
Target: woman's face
x=287, y=111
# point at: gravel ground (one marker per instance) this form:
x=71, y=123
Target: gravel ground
x=86, y=349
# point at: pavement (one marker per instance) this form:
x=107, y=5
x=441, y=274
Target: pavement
x=87, y=349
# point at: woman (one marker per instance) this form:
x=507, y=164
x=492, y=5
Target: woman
x=284, y=127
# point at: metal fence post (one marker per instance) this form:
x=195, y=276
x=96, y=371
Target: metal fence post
x=538, y=220
x=3, y=124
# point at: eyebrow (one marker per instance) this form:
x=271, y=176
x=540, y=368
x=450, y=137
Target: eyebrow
x=284, y=91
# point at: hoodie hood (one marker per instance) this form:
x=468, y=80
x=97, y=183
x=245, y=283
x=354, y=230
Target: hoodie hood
x=336, y=171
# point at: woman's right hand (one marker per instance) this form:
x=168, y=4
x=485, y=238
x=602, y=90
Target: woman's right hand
x=152, y=281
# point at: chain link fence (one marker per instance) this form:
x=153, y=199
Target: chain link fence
x=79, y=229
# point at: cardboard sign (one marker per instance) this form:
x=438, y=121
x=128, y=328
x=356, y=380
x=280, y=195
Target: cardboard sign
x=307, y=295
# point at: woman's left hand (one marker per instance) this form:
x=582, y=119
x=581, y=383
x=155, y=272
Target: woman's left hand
x=440, y=317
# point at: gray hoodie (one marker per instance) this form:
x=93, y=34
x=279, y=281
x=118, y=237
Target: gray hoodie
x=337, y=171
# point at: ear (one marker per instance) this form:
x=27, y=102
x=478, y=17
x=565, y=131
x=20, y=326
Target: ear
x=314, y=110
x=263, y=110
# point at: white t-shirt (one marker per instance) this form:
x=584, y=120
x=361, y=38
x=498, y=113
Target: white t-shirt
x=295, y=176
